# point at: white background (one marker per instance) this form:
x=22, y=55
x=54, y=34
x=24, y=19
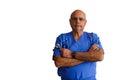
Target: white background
x=28, y=30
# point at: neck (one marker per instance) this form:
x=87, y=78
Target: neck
x=77, y=34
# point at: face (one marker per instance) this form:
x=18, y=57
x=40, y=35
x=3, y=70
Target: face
x=78, y=21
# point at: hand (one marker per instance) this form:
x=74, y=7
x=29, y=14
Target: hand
x=94, y=47
x=94, y=50
x=66, y=53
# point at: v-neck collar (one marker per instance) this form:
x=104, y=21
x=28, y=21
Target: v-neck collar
x=78, y=38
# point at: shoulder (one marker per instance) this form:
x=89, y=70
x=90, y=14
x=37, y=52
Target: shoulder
x=64, y=35
x=91, y=34
x=61, y=37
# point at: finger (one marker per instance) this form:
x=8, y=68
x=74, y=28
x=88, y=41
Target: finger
x=96, y=46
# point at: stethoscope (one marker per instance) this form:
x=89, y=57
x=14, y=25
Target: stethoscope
x=63, y=44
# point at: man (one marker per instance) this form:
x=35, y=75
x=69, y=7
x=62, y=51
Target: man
x=76, y=52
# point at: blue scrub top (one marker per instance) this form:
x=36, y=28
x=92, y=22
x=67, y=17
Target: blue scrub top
x=84, y=70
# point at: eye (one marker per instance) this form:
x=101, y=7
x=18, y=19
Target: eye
x=75, y=18
x=81, y=19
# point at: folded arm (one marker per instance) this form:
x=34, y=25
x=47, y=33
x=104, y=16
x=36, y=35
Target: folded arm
x=96, y=55
x=66, y=59
x=66, y=62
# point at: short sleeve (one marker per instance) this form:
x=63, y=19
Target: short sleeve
x=96, y=39
x=56, y=50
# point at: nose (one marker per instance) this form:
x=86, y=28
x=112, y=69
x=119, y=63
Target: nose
x=78, y=20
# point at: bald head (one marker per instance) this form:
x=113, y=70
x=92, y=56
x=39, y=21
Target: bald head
x=77, y=12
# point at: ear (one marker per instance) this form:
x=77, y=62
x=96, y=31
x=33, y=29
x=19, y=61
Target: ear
x=69, y=20
x=85, y=22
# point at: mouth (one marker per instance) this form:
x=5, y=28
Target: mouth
x=78, y=27
x=78, y=24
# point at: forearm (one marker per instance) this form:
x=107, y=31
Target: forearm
x=97, y=55
x=66, y=62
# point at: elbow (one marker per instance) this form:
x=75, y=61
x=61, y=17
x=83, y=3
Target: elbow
x=57, y=64
x=101, y=58
x=57, y=61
